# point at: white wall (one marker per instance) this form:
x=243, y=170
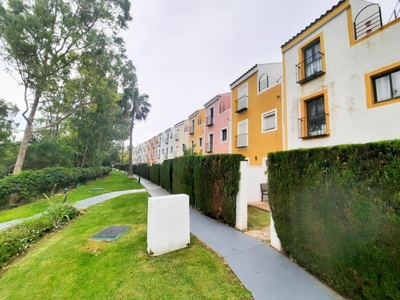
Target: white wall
x=168, y=225
x=241, y=198
x=350, y=120
x=255, y=176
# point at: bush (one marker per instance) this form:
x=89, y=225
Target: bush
x=28, y=185
x=216, y=184
x=182, y=174
x=337, y=212
x=154, y=173
x=16, y=239
x=166, y=174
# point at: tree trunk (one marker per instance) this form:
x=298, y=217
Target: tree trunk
x=27, y=135
x=84, y=157
x=130, y=169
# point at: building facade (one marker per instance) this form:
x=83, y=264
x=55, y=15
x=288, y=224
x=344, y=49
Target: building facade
x=216, y=130
x=256, y=113
x=342, y=78
x=181, y=137
x=196, y=131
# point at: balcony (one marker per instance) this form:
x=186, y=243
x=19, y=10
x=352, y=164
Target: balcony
x=241, y=104
x=176, y=137
x=242, y=140
x=313, y=126
x=165, y=155
x=367, y=24
x=310, y=68
x=210, y=120
x=209, y=147
x=167, y=141
x=191, y=130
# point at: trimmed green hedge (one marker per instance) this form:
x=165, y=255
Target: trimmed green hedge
x=182, y=174
x=337, y=212
x=216, y=184
x=142, y=170
x=154, y=173
x=28, y=185
x=166, y=174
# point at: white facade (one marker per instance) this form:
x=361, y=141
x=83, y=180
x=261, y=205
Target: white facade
x=166, y=145
x=181, y=137
x=349, y=70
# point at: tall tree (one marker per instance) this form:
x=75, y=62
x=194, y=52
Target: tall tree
x=135, y=105
x=8, y=112
x=44, y=39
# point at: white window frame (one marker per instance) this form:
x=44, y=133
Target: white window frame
x=246, y=85
x=246, y=121
x=220, y=135
x=267, y=114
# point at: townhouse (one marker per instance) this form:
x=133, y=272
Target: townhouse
x=196, y=131
x=256, y=113
x=216, y=133
x=341, y=78
x=181, y=137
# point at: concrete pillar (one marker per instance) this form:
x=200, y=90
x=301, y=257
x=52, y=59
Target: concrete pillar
x=241, y=198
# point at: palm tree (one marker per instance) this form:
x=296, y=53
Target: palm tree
x=137, y=107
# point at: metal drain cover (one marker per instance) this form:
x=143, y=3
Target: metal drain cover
x=110, y=233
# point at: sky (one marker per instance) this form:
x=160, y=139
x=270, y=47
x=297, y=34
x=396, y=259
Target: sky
x=188, y=51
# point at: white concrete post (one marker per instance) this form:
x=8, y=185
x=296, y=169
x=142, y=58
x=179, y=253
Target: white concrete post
x=241, y=198
x=275, y=241
x=168, y=226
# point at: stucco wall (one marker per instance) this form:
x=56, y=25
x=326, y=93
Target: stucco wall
x=344, y=83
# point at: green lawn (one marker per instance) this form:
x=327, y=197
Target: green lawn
x=116, y=181
x=257, y=218
x=70, y=266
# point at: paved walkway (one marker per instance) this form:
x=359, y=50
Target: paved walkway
x=80, y=204
x=265, y=272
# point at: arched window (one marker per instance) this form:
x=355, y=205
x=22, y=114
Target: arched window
x=263, y=82
x=221, y=107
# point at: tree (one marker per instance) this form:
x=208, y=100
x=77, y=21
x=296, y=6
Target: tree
x=135, y=106
x=44, y=40
x=8, y=112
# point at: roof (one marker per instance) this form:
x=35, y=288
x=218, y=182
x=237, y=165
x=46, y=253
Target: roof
x=253, y=69
x=315, y=21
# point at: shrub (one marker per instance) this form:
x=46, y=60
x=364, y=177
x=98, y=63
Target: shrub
x=16, y=239
x=182, y=174
x=337, y=212
x=166, y=174
x=28, y=185
x=154, y=173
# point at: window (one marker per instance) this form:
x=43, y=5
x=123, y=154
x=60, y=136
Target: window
x=199, y=120
x=172, y=149
x=200, y=142
x=316, y=117
x=241, y=102
x=242, y=137
x=312, y=59
x=224, y=135
x=387, y=87
x=269, y=121
x=221, y=107
x=192, y=144
x=263, y=82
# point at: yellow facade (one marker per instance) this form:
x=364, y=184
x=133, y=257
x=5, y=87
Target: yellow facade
x=259, y=141
x=197, y=121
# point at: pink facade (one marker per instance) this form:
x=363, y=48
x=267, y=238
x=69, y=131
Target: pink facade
x=216, y=133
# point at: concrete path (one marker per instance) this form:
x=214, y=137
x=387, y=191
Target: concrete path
x=80, y=204
x=265, y=272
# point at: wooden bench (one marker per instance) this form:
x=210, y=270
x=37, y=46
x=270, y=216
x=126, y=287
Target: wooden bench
x=264, y=191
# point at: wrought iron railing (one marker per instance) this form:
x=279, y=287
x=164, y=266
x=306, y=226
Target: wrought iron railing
x=241, y=104
x=209, y=120
x=367, y=25
x=242, y=140
x=191, y=130
x=310, y=68
x=396, y=12
x=313, y=126
x=209, y=147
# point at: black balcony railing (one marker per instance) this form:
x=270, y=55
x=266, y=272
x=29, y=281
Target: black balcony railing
x=310, y=68
x=191, y=130
x=367, y=24
x=209, y=147
x=313, y=126
x=209, y=120
x=242, y=140
x=396, y=12
x=241, y=104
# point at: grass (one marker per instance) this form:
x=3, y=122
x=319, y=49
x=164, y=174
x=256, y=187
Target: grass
x=116, y=181
x=257, y=218
x=70, y=266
